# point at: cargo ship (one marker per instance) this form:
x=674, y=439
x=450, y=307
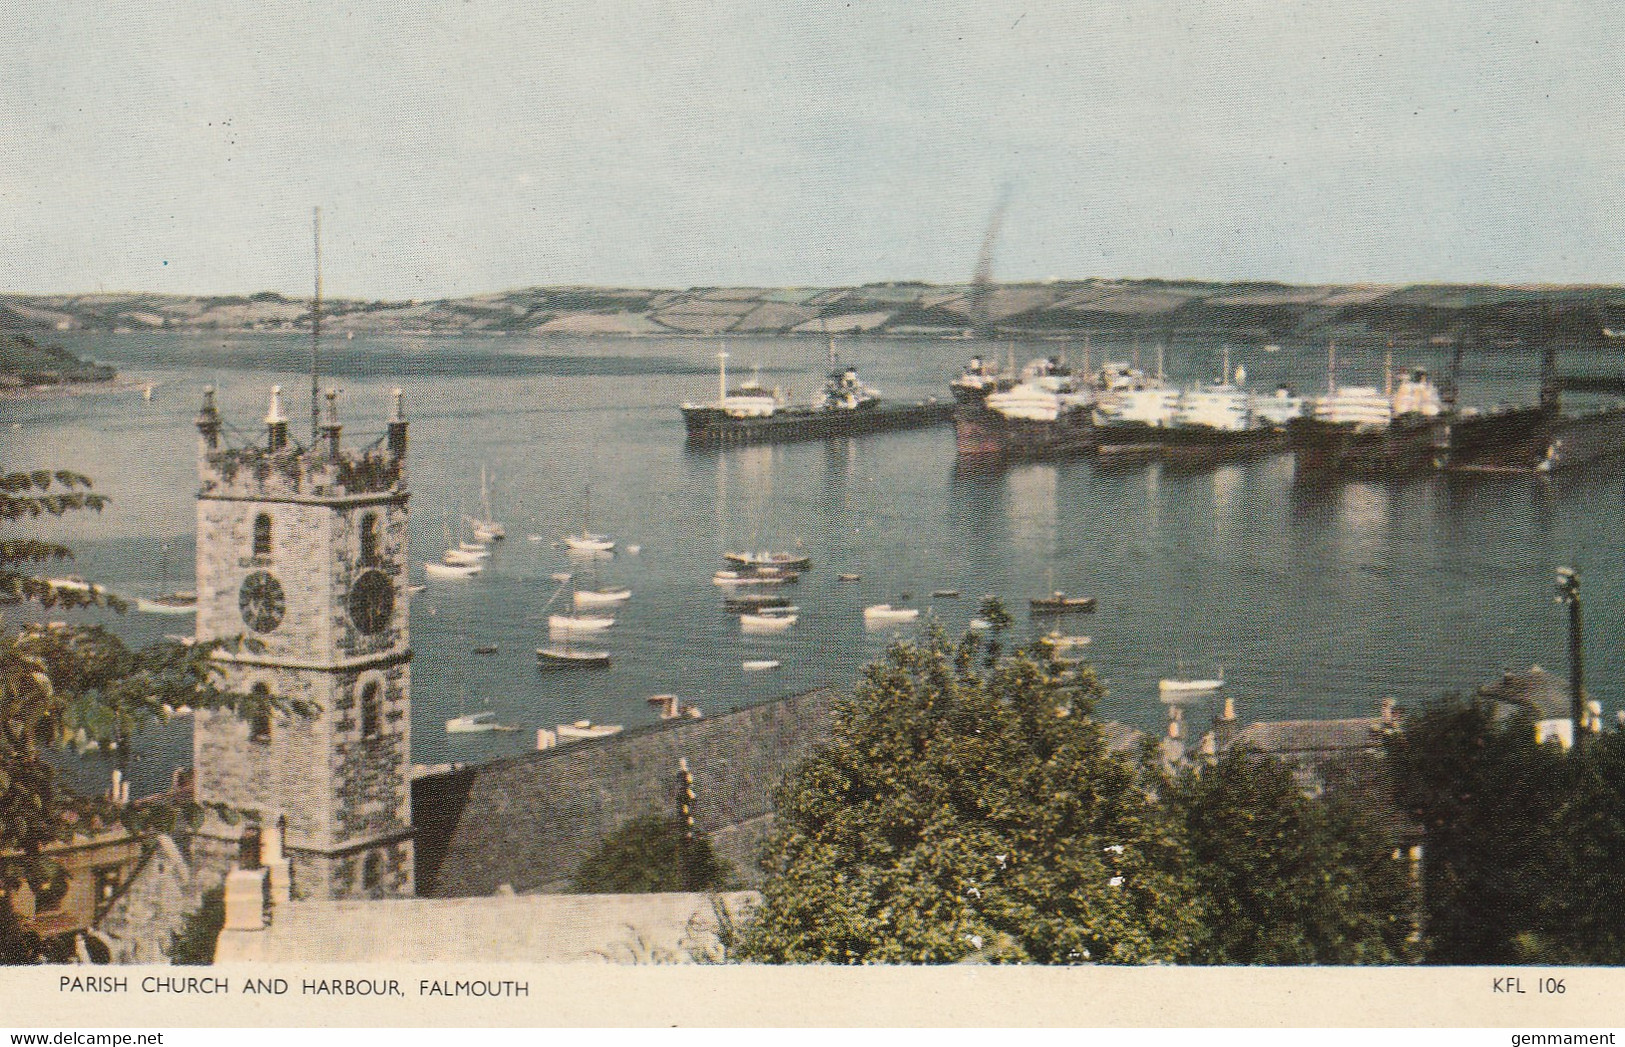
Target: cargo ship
x=1366, y=431
x=844, y=407
x=1046, y=413
x=1537, y=439
x=1220, y=420
x=978, y=380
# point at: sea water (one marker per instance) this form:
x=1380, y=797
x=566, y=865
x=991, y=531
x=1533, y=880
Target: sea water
x=1317, y=599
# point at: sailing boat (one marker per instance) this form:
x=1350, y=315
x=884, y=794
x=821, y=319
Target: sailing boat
x=466, y=722
x=486, y=528
x=575, y=621
x=1174, y=690
x=587, y=541
x=169, y=602
x=562, y=653
x=601, y=596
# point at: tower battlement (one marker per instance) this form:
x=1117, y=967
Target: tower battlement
x=276, y=468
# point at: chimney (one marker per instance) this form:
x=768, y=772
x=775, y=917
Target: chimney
x=276, y=422
x=208, y=421
x=332, y=428
x=397, y=428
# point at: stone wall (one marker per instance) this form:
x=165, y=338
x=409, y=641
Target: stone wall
x=529, y=821
x=152, y=904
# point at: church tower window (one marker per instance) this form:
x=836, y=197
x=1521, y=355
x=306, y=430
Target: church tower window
x=372, y=701
x=262, y=534
x=369, y=538
x=259, y=717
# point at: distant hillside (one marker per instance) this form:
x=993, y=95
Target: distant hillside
x=23, y=362
x=1059, y=309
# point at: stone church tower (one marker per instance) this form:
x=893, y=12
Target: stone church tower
x=301, y=568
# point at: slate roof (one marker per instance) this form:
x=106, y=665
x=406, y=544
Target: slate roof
x=1342, y=759
x=1538, y=690
x=527, y=822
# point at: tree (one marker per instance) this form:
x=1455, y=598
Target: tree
x=193, y=945
x=965, y=811
x=647, y=855
x=61, y=683
x=1523, y=841
x=1287, y=879
x=32, y=495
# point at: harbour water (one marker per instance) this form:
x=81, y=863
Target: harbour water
x=1317, y=599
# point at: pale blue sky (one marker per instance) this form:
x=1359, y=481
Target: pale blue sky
x=461, y=147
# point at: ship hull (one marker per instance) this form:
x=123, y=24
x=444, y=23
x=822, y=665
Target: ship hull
x=709, y=426
x=983, y=433
x=1188, y=442
x=1405, y=446
x=1534, y=439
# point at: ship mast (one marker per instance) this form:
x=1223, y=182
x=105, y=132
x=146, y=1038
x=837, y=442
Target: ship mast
x=316, y=331
x=1331, y=368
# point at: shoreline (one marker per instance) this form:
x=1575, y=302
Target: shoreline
x=66, y=389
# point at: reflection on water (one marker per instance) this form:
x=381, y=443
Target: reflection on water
x=1318, y=596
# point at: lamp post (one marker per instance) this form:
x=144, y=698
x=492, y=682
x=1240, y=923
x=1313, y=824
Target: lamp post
x=1568, y=591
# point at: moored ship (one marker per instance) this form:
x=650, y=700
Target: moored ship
x=844, y=407
x=1218, y=420
x=1537, y=439
x=1369, y=431
x=978, y=380
x=1048, y=412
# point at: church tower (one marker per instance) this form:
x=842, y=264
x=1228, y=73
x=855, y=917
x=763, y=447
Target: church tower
x=301, y=569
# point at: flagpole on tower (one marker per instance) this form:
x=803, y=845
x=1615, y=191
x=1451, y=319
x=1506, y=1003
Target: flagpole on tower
x=316, y=332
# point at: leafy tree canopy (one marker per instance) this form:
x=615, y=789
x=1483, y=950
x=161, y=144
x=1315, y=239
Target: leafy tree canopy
x=965, y=811
x=647, y=855
x=1524, y=842
x=1288, y=879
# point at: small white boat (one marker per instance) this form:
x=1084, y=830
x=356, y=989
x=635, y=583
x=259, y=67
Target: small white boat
x=1176, y=689
x=446, y=570
x=633, y=550
x=415, y=588
x=534, y=538
x=886, y=614
x=477, y=548
x=562, y=576
x=1058, y=642
x=463, y=558
x=473, y=723
x=578, y=623
x=765, y=576
x=849, y=577
x=486, y=528
x=174, y=603
x=588, y=541
x=601, y=597
x=795, y=561
x=757, y=665
x=980, y=625
x=569, y=657
x=766, y=623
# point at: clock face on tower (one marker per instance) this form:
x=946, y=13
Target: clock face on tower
x=262, y=601
x=372, y=602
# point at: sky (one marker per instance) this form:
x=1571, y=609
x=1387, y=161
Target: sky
x=469, y=146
